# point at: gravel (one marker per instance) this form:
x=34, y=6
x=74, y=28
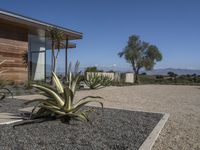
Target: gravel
x=182, y=130
x=110, y=129
x=10, y=105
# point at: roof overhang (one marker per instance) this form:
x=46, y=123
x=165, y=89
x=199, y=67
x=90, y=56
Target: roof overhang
x=37, y=26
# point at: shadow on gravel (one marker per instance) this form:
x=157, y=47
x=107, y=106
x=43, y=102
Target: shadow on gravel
x=112, y=129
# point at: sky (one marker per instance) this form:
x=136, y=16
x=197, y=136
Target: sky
x=172, y=25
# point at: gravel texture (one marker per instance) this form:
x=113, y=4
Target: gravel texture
x=20, y=89
x=182, y=130
x=10, y=105
x=110, y=129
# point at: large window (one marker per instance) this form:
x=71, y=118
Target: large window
x=36, y=57
x=40, y=58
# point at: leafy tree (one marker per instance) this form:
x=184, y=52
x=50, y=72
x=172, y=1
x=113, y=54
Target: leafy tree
x=171, y=74
x=144, y=74
x=140, y=54
x=57, y=37
x=194, y=77
x=91, y=69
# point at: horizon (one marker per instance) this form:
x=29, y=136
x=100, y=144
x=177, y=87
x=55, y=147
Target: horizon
x=106, y=25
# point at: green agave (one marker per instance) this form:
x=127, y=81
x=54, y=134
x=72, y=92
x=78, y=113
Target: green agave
x=4, y=92
x=60, y=99
x=95, y=81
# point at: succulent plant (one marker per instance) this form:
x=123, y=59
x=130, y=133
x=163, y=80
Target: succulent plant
x=60, y=99
x=95, y=81
x=4, y=92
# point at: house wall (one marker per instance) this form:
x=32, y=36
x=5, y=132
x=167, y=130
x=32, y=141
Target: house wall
x=13, y=47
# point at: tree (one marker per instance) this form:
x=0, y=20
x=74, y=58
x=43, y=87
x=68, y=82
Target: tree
x=91, y=69
x=140, y=54
x=57, y=37
x=171, y=74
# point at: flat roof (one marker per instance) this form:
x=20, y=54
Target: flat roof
x=37, y=24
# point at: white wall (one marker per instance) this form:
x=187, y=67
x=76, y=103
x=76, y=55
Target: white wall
x=112, y=75
x=36, y=46
x=129, y=78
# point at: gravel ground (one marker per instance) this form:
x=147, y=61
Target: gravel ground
x=182, y=130
x=10, y=105
x=110, y=129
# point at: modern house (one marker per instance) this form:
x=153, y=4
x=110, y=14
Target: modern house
x=26, y=48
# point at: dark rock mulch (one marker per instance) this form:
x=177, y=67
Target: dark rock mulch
x=11, y=105
x=110, y=129
x=21, y=90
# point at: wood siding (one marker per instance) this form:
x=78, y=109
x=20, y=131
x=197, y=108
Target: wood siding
x=14, y=47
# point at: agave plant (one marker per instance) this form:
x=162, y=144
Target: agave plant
x=4, y=92
x=95, y=81
x=60, y=99
x=106, y=80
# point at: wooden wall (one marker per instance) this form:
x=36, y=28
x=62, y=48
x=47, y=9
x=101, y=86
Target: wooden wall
x=13, y=47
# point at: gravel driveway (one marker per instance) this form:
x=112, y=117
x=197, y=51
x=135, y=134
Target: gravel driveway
x=182, y=130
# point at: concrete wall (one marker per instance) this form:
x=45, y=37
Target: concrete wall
x=37, y=53
x=112, y=75
x=129, y=78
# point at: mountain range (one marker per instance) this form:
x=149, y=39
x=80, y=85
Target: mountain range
x=176, y=71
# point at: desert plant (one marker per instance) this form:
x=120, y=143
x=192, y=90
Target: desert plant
x=56, y=37
x=106, y=80
x=4, y=92
x=95, y=81
x=60, y=99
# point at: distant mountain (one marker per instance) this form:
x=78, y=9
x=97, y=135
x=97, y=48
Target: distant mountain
x=177, y=71
x=61, y=70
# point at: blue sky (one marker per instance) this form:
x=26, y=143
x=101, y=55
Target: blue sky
x=172, y=25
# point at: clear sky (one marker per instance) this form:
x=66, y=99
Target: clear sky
x=172, y=25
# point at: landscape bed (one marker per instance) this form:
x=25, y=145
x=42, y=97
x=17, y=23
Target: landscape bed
x=109, y=129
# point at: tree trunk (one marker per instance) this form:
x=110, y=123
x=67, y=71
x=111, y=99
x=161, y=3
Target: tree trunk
x=136, y=77
x=55, y=65
x=52, y=60
x=136, y=72
x=66, y=60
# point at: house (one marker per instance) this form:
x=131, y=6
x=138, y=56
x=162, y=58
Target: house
x=26, y=48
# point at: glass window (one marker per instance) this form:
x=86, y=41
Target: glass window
x=37, y=57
